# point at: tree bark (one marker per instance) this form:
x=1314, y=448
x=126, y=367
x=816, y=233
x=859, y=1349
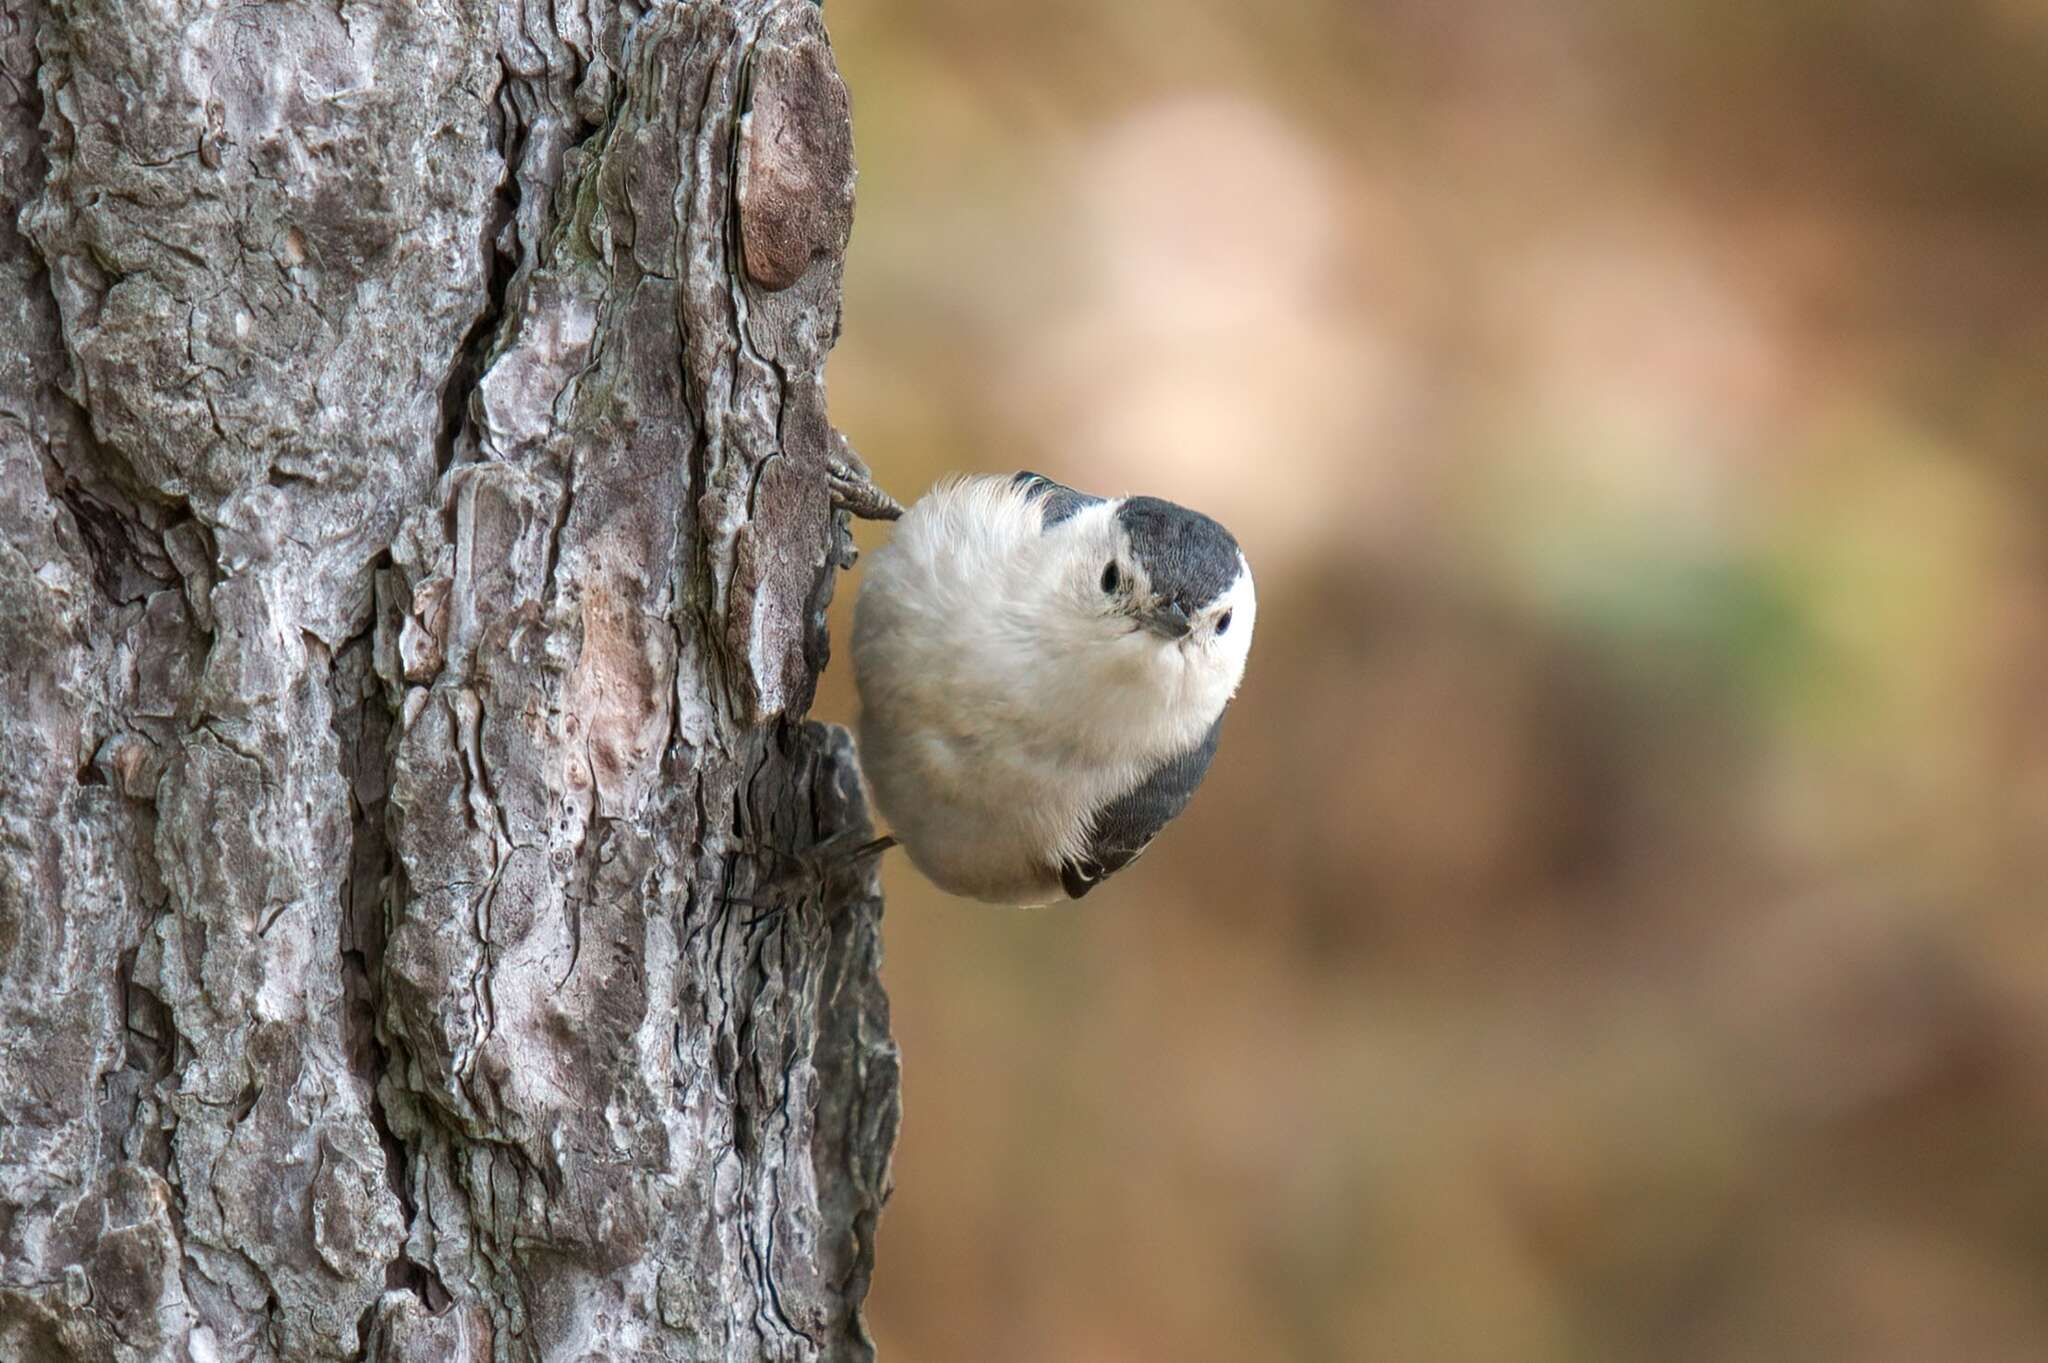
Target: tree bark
x=415, y=539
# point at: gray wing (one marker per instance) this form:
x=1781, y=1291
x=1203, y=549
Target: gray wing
x=1056, y=501
x=1126, y=825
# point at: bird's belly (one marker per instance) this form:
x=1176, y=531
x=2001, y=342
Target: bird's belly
x=978, y=818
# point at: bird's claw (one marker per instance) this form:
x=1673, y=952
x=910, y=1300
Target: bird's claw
x=811, y=870
x=853, y=488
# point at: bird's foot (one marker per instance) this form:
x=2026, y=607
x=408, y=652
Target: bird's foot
x=853, y=487
x=811, y=871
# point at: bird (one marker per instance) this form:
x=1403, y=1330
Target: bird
x=1042, y=677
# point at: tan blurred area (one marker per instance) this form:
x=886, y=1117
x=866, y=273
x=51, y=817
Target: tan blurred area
x=1615, y=926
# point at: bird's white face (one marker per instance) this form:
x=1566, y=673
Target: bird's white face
x=1211, y=634
x=1144, y=627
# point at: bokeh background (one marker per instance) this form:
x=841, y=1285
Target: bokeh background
x=1615, y=926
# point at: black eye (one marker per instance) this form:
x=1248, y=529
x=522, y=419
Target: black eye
x=1110, y=576
x=1223, y=623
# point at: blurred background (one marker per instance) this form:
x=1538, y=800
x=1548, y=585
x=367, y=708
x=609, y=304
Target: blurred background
x=1616, y=925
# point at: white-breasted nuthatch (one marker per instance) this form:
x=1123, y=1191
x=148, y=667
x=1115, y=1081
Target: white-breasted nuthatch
x=1042, y=677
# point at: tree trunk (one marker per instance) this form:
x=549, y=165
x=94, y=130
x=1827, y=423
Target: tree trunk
x=415, y=539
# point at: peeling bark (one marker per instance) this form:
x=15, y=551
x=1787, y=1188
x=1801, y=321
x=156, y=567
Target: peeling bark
x=415, y=537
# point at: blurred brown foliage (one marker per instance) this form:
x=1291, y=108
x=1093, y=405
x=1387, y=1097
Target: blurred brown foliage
x=1614, y=927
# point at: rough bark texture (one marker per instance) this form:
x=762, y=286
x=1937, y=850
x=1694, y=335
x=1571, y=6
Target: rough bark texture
x=414, y=545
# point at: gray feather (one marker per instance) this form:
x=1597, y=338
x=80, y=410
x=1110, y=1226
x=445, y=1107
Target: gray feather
x=1125, y=826
x=1191, y=559
x=1056, y=501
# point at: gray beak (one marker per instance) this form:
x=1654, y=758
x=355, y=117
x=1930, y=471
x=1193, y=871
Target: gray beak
x=1167, y=620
